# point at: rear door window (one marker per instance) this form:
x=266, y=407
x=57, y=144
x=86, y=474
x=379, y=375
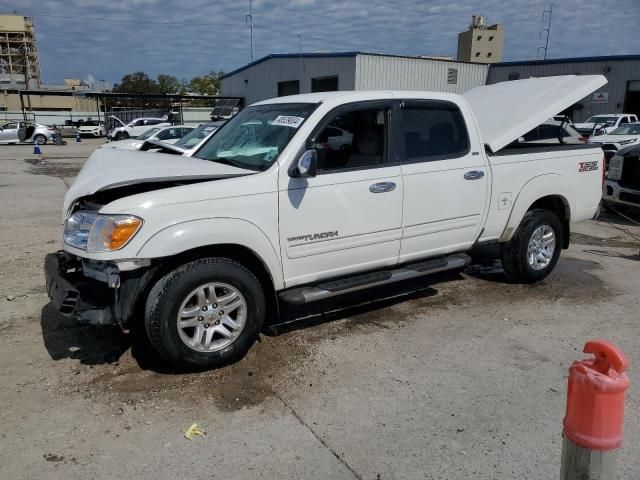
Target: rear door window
x=433, y=130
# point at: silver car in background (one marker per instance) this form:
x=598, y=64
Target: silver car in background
x=26, y=132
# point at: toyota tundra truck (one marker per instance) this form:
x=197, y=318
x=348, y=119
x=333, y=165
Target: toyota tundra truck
x=204, y=250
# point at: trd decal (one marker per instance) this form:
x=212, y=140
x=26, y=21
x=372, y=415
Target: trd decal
x=588, y=166
x=313, y=236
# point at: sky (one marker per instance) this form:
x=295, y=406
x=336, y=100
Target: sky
x=106, y=39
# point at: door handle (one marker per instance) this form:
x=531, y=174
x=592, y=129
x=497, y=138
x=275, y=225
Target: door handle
x=382, y=187
x=474, y=175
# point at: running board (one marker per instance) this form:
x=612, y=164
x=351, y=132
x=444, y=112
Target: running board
x=332, y=288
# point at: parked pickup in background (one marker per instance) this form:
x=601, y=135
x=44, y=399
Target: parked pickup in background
x=204, y=249
x=603, y=124
x=622, y=186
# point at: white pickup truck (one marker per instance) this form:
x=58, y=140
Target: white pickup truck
x=203, y=250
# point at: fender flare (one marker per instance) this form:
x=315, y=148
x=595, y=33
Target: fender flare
x=550, y=184
x=207, y=232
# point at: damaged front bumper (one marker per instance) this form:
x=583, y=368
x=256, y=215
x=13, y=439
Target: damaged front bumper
x=92, y=292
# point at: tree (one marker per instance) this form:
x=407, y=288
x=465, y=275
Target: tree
x=138, y=82
x=168, y=84
x=208, y=84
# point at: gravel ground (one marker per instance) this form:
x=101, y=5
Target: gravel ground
x=455, y=377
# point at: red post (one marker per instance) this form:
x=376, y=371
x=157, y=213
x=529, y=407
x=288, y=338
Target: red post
x=595, y=413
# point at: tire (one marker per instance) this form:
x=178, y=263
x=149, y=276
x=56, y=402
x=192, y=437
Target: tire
x=40, y=139
x=171, y=296
x=122, y=136
x=515, y=254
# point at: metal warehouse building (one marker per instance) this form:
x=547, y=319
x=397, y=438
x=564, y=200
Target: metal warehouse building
x=288, y=74
x=620, y=95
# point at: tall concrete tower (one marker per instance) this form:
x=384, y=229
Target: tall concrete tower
x=482, y=43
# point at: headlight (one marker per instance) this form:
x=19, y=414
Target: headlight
x=615, y=168
x=626, y=142
x=100, y=233
x=77, y=228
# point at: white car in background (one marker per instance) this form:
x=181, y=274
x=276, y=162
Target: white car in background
x=603, y=124
x=165, y=134
x=29, y=132
x=93, y=128
x=136, y=127
x=336, y=138
x=623, y=136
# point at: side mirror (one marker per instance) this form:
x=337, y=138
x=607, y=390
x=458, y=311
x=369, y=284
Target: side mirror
x=305, y=166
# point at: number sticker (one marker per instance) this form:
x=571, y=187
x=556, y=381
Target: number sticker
x=288, y=121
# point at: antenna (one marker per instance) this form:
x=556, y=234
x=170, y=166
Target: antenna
x=300, y=52
x=249, y=19
x=548, y=14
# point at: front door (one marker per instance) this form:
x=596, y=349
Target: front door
x=348, y=217
x=446, y=179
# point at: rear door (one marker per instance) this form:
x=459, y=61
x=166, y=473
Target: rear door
x=446, y=179
x=139, y=127
x=348, y=217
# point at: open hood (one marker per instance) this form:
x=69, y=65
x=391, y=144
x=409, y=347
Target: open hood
x=505, y=111
x=111, y=168
x=119, y=121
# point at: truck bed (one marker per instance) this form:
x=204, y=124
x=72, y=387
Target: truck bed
x=572, y=172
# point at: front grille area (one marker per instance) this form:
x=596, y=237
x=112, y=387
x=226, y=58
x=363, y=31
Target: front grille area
x=630, y=197
x=609, y=146
x=630, y=173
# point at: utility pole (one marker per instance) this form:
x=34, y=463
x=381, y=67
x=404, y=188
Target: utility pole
x=548, y=30
x=249, y=20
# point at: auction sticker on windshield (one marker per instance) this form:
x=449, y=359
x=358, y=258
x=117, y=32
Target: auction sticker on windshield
x=288, y=121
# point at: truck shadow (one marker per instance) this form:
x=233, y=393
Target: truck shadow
x=357, y=304
x=94, y=345
x=91, y=345
x=101, y=345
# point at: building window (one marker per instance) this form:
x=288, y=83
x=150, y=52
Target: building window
x=491, y=38
x=513, y=76
x=477, y=54
x=489, y=54
x=324, y=84
x=452, y=76
x=291, y=87
x=479, y=37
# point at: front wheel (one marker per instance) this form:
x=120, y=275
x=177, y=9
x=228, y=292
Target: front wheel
x=205, y=314
x=534, y=250
x=40, y=139
x=122, y=136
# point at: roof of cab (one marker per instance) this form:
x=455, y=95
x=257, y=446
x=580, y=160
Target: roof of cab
x=346, y=96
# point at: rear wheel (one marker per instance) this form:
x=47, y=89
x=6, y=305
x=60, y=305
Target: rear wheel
x=40, y=139
x=534, y=250
x=205, y=314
